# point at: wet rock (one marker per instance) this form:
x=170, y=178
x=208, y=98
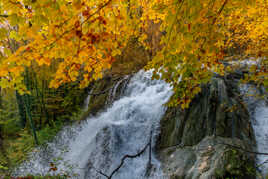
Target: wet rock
x=104, y=92
x=217, y=114
x=209, y=159
x=108, y=141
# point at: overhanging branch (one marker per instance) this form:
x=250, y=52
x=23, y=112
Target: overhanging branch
x=3, y=15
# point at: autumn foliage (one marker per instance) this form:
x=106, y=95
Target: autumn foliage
x=84, y=37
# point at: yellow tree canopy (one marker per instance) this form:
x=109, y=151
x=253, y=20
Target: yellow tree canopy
x=85, y=36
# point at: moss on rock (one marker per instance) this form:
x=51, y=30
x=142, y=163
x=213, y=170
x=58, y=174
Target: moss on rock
x=217, y=112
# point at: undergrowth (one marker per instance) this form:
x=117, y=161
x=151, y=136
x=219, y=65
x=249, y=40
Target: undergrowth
x=17, y=146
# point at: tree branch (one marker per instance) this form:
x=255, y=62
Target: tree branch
x=100, y=172
x=87, y=19
x=125, y=157
x=219, y=12
x=214, y=20
x=128, y=156
x=131, y=156
x=229, y=145
x=3, y=15
x=266, y=161
x=102, y=92
x=245, y=150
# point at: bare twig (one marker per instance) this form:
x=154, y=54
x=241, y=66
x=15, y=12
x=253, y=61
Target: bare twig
x=266, y=161
x=229, y=145
x=131, y=156
x=125, y=157
x=102, y=92
x=100, y=172
x=181, y=145
x=241, y=148
x=150, y=148
x=219, y=12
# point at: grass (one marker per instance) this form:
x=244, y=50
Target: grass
x=16, y=148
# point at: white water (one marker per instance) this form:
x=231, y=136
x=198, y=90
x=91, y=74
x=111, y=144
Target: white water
x=259, y=115
x=261, y=133
x=102, y=141
x=86, y=102
x=112, y=93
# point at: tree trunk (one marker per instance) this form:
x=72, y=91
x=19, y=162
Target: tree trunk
x=27, y=105
x=0, y=98
x=21, y=107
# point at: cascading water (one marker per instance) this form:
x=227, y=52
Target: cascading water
x=259, y=114
x=112, y=92
x=261, y=133
x=99, y=143
x=86, y=102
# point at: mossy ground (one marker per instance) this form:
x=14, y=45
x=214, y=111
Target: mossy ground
x=17, y=141
x=16, y=148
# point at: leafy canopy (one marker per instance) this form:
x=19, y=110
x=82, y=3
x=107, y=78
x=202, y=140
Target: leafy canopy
x=85, y=36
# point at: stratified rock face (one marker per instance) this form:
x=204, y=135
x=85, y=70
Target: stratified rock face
x=217, y=116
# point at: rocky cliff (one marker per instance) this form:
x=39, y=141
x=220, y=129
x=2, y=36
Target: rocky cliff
x=197, y=142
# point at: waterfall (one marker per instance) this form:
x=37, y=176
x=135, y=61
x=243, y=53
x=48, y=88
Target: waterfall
x=112, y=95
x=258, y=109
x=261, y=133
x=99, y=143
x=86, y=102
